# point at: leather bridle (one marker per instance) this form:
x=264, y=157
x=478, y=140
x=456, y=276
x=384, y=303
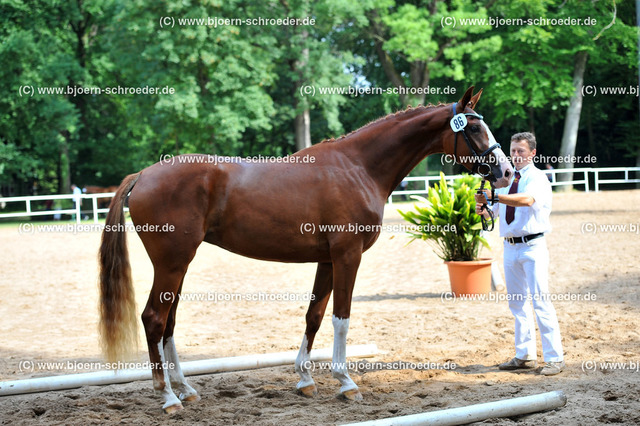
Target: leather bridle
x=479, y=166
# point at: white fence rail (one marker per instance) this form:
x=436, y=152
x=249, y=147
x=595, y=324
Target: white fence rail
x=599, y=181
x=580, y=177
x=77, y=210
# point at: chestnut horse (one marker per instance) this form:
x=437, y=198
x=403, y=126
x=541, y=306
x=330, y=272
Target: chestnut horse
x=102, y=202
x=258, y=210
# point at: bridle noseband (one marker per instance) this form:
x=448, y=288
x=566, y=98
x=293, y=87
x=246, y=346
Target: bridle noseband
x=458, y=124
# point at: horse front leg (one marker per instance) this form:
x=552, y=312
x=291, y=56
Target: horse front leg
x=345, y=268
x=321, y=291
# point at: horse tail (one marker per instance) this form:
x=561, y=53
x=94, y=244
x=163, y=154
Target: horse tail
x=118, y=322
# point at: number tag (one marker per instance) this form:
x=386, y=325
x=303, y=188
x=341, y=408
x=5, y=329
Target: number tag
x=458, y=122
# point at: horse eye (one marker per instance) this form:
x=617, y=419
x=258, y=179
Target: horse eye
x=475, y=128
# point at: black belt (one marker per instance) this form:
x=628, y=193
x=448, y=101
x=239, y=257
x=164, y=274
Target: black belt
x=526, y=238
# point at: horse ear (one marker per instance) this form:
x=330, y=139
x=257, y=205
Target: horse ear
x=462, y=103
x=474, y=100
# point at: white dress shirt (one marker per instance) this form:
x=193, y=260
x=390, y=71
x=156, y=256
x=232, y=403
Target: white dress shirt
x=527, y=220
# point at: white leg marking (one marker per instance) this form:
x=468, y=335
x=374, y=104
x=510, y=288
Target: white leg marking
x=339, y=364
x=175, y=372
x=169, y=397
x=303, y=362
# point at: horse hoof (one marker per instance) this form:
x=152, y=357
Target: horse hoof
x=308, y=391
x=352, y=395
x=191, y=398
x=173, y=408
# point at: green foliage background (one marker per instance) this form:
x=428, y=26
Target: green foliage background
x=234, y=84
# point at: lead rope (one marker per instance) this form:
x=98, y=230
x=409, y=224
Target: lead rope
x=486, y=226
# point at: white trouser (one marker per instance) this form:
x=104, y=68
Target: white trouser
x=526, y=271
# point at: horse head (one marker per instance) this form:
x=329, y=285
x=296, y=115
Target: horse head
x=479, y=153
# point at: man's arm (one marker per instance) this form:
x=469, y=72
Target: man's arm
x=514, y=200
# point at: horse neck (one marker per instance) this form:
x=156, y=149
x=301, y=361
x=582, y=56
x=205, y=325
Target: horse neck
x=389, y=150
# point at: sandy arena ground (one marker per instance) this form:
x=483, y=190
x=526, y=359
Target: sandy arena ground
x=48, y=313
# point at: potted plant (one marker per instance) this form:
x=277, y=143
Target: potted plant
x=448, y=221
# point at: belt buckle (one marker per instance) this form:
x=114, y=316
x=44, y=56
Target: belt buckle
x=511, y=241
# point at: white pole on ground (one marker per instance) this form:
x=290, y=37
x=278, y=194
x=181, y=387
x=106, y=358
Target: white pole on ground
x=478, y=412
x=190, y=368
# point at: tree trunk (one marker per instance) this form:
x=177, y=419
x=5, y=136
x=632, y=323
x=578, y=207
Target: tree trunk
x=572, y=120
x=388, y=67
x=302, y=122
x=303, y=130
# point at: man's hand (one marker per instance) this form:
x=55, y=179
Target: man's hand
x=480, y=210
x=481, y=203
x=482, y=198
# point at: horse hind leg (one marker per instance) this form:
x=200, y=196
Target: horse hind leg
x=321, y=290
x=154, y=317
x=176, y=377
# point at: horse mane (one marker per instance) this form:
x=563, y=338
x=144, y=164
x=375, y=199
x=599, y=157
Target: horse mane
x=400, y=113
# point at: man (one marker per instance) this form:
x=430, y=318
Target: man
x=524, y=210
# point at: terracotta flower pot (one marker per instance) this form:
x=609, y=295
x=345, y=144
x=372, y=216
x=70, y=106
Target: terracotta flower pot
x=470, y=276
